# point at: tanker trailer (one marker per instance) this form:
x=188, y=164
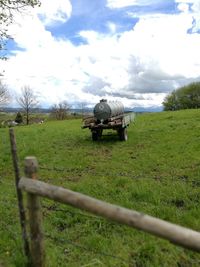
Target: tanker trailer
x=108, y=115
x=105, y=110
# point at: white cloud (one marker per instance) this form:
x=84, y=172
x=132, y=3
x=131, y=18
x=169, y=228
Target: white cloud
x=186, y=1
x=119, y=4
x=194, y=5
x=126, y=3
x=112, y=27
x=184, y=7
x=165, y=41
x=149, y=56
x=29, y=31
x=138, y=66
x=58, y=11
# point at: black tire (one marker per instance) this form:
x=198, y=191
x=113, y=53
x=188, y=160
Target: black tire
x=95, y=136
x=123, y=135
x=100, y=133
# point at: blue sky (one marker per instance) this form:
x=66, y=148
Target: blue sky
x=134, y=51
x=95, y=15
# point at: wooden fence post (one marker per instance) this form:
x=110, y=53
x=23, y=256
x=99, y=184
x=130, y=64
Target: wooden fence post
x=22, y=214
x=35, y=217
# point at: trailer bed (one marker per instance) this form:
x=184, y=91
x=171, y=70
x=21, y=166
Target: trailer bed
x=118, y=123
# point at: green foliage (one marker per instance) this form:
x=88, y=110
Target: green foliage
x=19, y=118
x=170, y=102
x=155, y=172
x=187, y=97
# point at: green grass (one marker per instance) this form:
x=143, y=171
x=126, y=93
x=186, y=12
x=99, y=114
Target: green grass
x=157, y=171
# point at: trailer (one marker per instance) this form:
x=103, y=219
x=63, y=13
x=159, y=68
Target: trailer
x=108, y=115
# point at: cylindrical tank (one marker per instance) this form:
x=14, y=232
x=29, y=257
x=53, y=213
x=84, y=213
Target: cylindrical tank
x=105, y=110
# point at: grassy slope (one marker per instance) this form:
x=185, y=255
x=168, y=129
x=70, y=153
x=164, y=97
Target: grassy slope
x=157, y=171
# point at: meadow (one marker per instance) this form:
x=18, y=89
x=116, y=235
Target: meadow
x=157, y=172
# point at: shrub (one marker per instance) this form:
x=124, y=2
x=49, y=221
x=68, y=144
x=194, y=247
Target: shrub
x=19, y=118
x=186, y=97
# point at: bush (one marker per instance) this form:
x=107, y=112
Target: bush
x=186, y=97
x=19, y=118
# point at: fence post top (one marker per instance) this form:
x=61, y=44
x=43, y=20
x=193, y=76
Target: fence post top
x=30, y=167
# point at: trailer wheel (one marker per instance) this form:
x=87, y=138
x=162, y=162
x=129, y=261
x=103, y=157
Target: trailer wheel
x=123, y=135
x=100, y=133
x=95, y=136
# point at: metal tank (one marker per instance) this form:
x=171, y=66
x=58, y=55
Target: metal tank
x=105, y=110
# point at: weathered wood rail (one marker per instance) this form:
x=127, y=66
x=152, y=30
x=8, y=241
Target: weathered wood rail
x=176, y=234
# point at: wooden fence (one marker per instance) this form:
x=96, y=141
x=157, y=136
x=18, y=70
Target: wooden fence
x=178, y=235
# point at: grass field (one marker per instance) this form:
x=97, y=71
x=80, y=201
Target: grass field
x=157, y=171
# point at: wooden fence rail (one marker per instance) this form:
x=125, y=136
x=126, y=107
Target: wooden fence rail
x=176, y=234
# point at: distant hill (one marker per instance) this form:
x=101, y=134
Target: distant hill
x=88, y=110
x=150, y=109
x=15, y=110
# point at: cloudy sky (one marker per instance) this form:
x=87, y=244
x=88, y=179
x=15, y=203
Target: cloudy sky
x=135, y=51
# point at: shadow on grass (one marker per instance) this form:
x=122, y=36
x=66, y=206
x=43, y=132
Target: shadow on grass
x=109, y=137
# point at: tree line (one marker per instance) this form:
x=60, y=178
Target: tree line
x=186, y=97
x=28, y=100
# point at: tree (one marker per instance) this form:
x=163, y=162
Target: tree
x=19, y=117
x=28, y=100
x=185, y=97
x=4, y=93
x=8, y=9
x=170, y=102
x=60, y=110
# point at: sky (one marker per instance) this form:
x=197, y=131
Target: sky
x=133, y=51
